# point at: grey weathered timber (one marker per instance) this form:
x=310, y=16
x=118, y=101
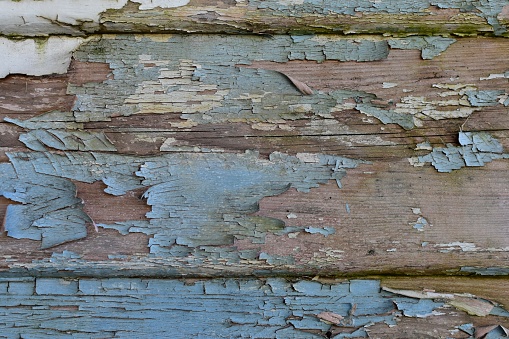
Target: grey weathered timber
x=254, y=169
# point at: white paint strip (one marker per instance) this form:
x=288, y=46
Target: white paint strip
x=150, y=4
x=37, y=57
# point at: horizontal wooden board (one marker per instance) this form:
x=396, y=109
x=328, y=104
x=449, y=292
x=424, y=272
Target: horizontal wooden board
x=213, y=155
x=239, y=308
x=405, y=17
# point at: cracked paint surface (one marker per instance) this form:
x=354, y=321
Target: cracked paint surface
x=477, y=148
x=196, y=199
x=79, y=17
x=225, y=308
x=211, y=80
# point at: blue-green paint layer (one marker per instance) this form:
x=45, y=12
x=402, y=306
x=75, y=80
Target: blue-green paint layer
x=477, y=149
x=197, y=199
x=220, y=308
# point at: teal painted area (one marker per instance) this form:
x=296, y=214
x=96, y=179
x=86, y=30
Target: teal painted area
x=484, y=98
x=477, y=149
x=387, y=116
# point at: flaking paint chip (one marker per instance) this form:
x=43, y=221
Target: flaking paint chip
x=330, y=317
x=302, y=87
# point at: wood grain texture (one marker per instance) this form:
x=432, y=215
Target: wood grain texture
x=257, y=169
x=153, y=119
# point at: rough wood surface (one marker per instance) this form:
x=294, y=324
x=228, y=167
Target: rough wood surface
x=319, y=169
x=404, y=17
x=395, y=163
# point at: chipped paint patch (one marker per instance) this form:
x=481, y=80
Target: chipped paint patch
x=57, y=130
x=464, y=302
x=36, y=57
x=477, y=148
x=463, y=246
x=430, y=46
x=49, y=211
x=421, y=222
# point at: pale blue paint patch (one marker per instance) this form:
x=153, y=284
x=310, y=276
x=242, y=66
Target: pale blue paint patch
x=49, y=209
x=477, y=149
x=347, y=208
x=496, y=333
x=50, y=286
x=278, y=260
x=24, y=286
x=430, y=46
x=499, y=311
x=58, y=130
x=420, y=308
x=364, y=287
x=209, y=197
x=420, y=224
x=467, y=328
x=216, y=308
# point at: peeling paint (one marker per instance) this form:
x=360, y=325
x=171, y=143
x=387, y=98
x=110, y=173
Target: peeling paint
x=183, y=214
x=167, y=78
x=477, y=148
x=425, y=306
x=57, y=130
x=267, y=16
x=430, y=47
x=226, y=308
x=486, y=271
x=49, y=209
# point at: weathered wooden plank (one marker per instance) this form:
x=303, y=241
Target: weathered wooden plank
x=405, y=17
x=239, y=308
x=161, y=126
